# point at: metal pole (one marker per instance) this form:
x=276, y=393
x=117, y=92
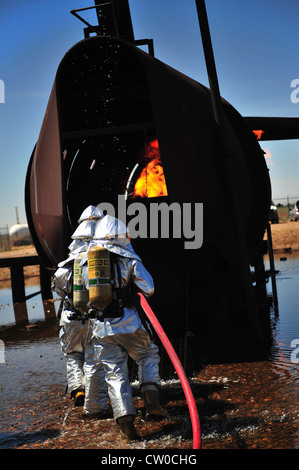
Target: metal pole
x=219, y=118
x=210, y=61
x=272, y=268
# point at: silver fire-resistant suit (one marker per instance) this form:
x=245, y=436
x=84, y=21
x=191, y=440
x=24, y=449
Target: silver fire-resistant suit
x=75, y=332
x=113, y=338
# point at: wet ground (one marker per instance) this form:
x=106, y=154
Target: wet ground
x=238, y=409
x=241, y=405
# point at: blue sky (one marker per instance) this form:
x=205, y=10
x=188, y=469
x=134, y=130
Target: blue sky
x=256, y=51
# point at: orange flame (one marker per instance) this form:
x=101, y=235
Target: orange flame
x=151, y=182
x=258, y=134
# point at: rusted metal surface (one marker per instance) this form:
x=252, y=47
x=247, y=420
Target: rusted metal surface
x=44, y=190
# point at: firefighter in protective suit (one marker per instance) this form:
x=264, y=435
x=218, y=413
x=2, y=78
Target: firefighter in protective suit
x=118, y=330
x=75, y=326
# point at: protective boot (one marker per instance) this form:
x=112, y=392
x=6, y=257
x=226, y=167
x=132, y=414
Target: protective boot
x=127, y=429
x=150, y=394
x=78, y=396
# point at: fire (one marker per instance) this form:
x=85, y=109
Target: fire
x=258, y=134
x=151, y=182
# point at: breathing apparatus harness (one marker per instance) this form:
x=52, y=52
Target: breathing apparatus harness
x=121, y=297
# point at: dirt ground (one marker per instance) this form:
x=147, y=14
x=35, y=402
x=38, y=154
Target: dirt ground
x=285, y=238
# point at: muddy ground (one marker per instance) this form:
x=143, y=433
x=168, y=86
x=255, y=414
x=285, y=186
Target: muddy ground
x=240, y=406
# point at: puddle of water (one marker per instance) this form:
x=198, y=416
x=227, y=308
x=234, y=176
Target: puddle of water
x=263, y=397
x=31, y=358
x=30, y=366
x=285, y=352
x=33, y=309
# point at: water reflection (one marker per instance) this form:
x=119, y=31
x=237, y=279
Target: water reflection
x=33, y=361
x=246, y=404
x=285, y=326
x=29, y=332
x=32, y=310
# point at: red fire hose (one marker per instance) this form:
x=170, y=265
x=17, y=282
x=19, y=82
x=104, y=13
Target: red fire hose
x=180, y=371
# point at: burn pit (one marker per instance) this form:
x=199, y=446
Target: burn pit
x=101, y=168
x=147, y=179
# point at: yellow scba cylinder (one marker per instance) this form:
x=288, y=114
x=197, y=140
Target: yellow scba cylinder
x=80, y=293
x=99, y=277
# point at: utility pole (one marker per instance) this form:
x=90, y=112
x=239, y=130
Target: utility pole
x=17, y=215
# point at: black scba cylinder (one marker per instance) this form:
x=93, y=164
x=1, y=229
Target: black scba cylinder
x=111, y=100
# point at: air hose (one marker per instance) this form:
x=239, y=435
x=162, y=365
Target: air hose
x=179, y=369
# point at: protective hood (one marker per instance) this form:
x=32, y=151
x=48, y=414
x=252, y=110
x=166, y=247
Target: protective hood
x=91, y=212
x=109, y=227
x=111, y=233
x=62, y=281
x=75, y=244
x=85, y=230
x=77, y=247
x=83, y=233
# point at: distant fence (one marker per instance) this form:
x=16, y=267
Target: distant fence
x=4, y=239
x=286, y=201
